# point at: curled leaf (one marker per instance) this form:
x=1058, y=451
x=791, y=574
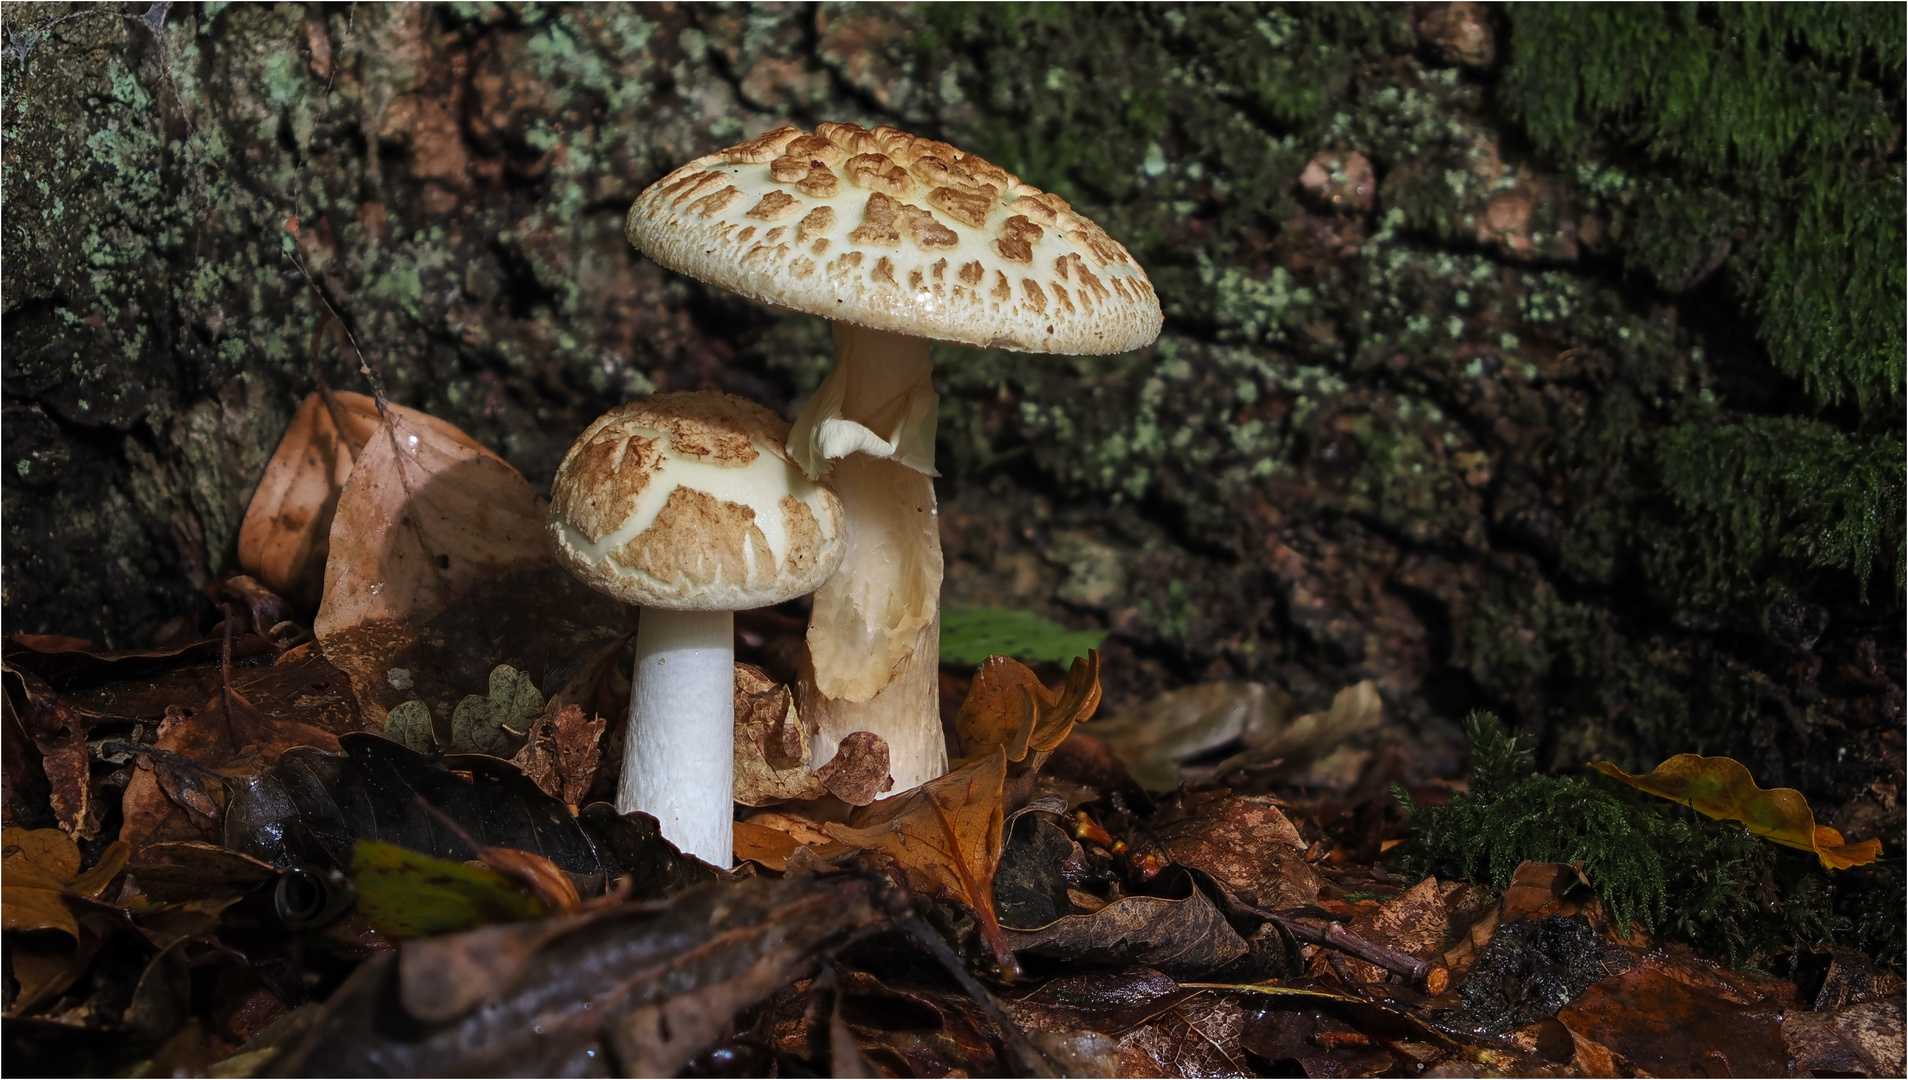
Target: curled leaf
x=1722, y=788
x=287, y=529
x=1009, y=708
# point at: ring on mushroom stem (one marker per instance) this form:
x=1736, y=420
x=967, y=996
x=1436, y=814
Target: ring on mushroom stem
x=898, y=240
x=688, y=505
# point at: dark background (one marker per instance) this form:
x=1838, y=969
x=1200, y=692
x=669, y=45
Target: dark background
x=1567, y=381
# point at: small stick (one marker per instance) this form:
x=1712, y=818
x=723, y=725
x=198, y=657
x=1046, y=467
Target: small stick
x=1433, y=977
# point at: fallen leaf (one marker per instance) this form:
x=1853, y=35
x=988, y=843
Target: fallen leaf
x=1414, y=922
x=439, y=572
x=60, y=738
x=1183, y=935
x=661, y=981
x=1355, y=710
x=286, y=533
x=1659, y=1024
x=761, y=844
x=1722, y=788
x=498, y=723
x=560, y=755
x=1864, y=1039
x=1030, y=887
x=1109, y=1002
x=769, y=747
x=1245, y=842
x=1155, y=738
x=1198, y=1037
x=408, y=895
x=1008, y=708
x=858, y=773
x=914, y=1030
x=945, y=836
x=38, y=864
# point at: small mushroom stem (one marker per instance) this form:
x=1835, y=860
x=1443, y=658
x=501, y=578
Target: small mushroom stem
x=679, y=757
x=874, y=632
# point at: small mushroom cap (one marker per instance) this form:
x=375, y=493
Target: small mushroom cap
x=689, y=502
x=887, y=230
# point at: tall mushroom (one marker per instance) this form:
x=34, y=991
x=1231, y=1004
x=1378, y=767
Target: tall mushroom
x=688, y=505
x=897, y=240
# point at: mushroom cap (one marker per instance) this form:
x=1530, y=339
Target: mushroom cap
x=900, y=233
x=689, y=502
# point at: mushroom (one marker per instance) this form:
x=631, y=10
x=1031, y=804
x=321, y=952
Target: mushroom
x=688, y=505
x=897, y=240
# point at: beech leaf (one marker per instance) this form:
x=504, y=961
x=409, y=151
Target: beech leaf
x=1722, y=788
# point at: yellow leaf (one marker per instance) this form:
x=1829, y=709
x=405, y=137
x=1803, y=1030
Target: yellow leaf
x=1722, y=788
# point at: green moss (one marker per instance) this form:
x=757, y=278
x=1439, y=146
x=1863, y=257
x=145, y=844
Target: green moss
x=1707, y=882
x=971, y=635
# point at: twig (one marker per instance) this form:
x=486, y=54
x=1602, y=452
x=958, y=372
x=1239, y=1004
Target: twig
x=364, y=366
x=1432, y=976
x=1030, y=1060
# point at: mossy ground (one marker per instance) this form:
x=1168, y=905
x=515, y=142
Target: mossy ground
x=1589, y=412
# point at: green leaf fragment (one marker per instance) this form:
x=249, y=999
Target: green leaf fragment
x=407, y=895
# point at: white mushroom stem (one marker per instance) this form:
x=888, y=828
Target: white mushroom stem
x=679, y=759
x=874, y=633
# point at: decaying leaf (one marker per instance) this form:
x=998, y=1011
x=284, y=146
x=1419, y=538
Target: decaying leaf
x=945, y=836
x=635, y=990
x=1008, y=708
x=1863, y=1039
x=439, y=572
x=1154, y=738
x=1246, y=844
x=407, y=895
x=858, y=774
x=1160, y=740
x=1665, y=1020
x=60, y=738
x=497, y=724
x=561, y=753
x=1183, y=935
x=1722, y=788
x=287, y=529
x=769, y=747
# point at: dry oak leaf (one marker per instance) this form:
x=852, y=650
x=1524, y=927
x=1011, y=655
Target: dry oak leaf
x=1007, y=707
x=945, y=836
x=287, y=527
x=1722, y=788
x=427, y=515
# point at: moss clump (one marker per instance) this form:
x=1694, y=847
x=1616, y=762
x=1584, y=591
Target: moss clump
x=971, y=635
x=1709, y=883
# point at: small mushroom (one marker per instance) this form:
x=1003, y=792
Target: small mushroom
x=688, y=505
x=897, y=240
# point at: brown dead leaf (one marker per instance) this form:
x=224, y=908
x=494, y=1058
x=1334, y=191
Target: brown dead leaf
x=1414, y=922
x=560, y=753
x=945, y=836
x=60, y=738
x=42, y=865
x=761, y=844
x=769, y=748
x=1246, y=844
x=1660, y=1024
x=427, y=516
x=1008, y=708
x=287, y=529
x=1184, y=936
x=858, y=773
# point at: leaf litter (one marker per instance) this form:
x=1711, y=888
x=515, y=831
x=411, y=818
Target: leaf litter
x=376, y=844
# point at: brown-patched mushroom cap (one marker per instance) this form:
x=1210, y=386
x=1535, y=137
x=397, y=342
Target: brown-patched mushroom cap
x=689, y=502
x=884, y=229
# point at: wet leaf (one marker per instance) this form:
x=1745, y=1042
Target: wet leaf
x=1722, y=788
x=313, y=807
x=945, y=836
x=561, y=753
x=498, y=723
x=661, y=981
x=408, y=895
x=1864, y=1039
x=1655, y=1019
x=1183, y=935
x=286, y=533
x=1008, y=708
